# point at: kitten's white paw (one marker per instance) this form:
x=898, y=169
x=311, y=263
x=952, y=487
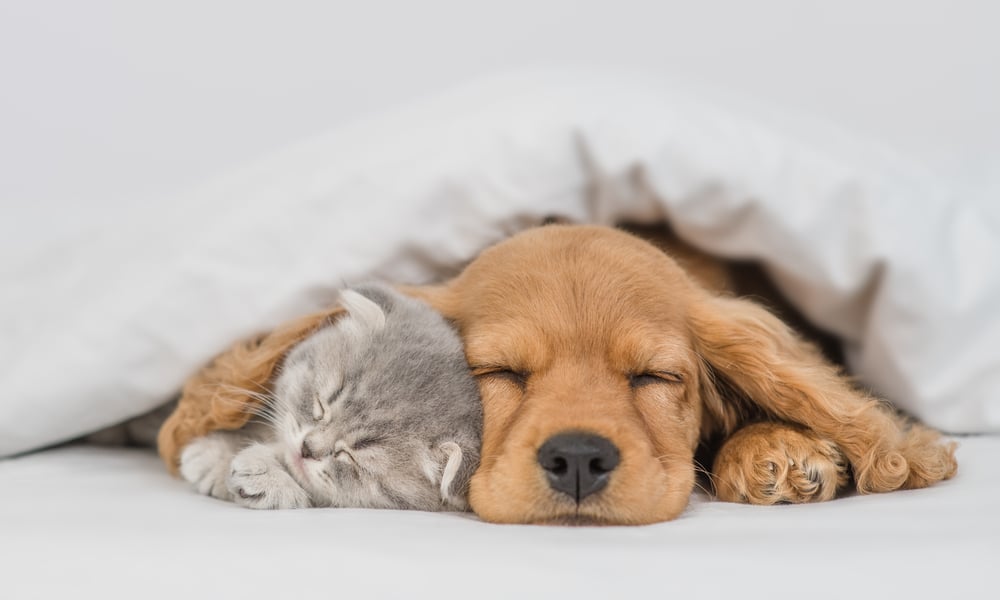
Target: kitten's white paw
x=205, y=464
x=258, y=480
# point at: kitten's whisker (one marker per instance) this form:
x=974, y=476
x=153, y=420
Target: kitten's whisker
x=264, y=394
x=267, y=419
x=265, y=408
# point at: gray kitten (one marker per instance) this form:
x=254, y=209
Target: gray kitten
x=377, y=410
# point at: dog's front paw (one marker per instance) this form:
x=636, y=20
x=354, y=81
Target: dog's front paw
x=205, y=464
x=258, y=480
x=776, y=463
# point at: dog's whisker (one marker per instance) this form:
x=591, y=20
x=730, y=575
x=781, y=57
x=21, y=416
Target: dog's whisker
x=702, y=488
x=701, y=469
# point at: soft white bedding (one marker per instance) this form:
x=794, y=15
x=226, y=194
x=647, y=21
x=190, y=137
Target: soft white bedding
x=896, y=263
x=90, y=522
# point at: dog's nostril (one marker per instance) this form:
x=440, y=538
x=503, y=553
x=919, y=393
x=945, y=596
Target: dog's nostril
x=578, y=464
x=598, y=467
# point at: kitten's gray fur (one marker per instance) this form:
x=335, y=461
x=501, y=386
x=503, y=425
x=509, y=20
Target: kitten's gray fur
x=383, y=401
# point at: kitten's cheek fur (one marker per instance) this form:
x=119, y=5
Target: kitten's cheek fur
x=300, y=473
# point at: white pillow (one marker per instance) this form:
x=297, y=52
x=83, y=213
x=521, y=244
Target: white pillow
x=108, y=327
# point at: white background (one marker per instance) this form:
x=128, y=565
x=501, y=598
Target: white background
x=112, y=105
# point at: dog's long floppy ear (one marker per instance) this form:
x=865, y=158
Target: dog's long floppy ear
x=757, y=363
x=224, y=394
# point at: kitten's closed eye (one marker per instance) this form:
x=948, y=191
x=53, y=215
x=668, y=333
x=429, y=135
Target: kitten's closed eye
x=345, y=454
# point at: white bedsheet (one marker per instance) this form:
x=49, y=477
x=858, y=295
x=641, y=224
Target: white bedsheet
x=84, y=521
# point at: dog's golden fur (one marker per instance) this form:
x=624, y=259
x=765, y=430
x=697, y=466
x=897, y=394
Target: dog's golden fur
x=572, y=328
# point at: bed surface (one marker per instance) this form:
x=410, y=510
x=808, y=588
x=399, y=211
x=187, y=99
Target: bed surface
x=114, y=521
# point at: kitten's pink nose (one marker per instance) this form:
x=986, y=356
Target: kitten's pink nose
x=306, y=450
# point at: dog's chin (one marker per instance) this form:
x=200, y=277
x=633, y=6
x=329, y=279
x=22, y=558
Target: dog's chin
x=592, y=512
x=593, y=515
x=575, y=520
x=541, y=507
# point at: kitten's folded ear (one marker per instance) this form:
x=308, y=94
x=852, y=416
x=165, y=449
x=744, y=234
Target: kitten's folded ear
x=223, y=394
x=363, y=311
x=455, y=473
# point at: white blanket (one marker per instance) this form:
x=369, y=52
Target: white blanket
x=896, y=264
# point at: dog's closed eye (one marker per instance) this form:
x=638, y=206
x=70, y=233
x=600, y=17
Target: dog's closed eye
x=638, y=380
x=518, y=378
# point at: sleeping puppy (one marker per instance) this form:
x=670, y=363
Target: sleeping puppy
x=602, y=364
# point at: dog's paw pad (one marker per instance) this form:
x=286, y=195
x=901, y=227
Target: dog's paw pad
x=773, y=463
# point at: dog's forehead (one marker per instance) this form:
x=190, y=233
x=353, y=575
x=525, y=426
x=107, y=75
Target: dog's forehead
x=577, y=273
x=574, y=287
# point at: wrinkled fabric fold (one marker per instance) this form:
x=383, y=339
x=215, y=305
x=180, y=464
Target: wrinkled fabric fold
x=900, y=266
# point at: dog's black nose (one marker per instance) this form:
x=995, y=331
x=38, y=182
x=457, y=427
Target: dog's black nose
x=577, y=463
